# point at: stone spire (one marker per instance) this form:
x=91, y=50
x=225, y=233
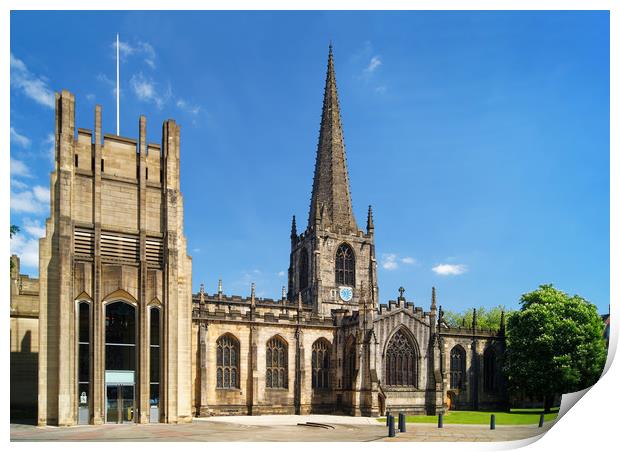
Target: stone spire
x=330, y=188
x=433, y=300
x=370, y=224
x=294, y=231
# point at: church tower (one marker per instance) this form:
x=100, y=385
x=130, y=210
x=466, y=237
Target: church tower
x=332, y=262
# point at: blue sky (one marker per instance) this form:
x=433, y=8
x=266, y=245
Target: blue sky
x=481, y=139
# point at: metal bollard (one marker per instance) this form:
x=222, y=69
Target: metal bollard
x=440, y=420
x=402, y=422
x=387, y=418
x=492, y=422
x=542, y=420
x=391, y=431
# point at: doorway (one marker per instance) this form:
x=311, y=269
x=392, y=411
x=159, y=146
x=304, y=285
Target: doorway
x=120, y=403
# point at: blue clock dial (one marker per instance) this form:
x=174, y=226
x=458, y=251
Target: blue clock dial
x=346, y=293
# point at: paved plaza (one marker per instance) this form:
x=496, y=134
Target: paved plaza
x=273, y=428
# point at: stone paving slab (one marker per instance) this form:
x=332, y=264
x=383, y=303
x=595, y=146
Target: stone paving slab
x=281, y=428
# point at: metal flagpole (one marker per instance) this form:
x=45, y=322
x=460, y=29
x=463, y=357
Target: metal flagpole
x=118, y=93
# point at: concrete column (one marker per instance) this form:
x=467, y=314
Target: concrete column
x=143, y=386
x=64, y=326
x=98, y=339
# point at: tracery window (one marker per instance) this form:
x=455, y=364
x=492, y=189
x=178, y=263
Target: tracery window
x=303, y=269
x=457, y=367
x=277, y=366
x=489, y=369
x=227, y=362
x=345, y=266
x=320, y=364
x=349, y=363
x=401, y=361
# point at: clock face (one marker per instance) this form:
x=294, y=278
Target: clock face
x=346, y=293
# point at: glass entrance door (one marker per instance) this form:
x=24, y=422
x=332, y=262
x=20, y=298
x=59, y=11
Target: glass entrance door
x=120, y=403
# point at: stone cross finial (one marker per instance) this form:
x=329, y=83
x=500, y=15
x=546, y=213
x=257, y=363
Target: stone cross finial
x=401, y=291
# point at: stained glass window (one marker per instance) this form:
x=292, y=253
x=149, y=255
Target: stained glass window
x=401, y=361
x=320, y=364
x=345, y=266
x=457, y=367
x=277, y=365
x=227, y=364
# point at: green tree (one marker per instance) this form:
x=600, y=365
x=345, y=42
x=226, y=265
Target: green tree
x=14, y=230
x=555, y=344
x=487, y=319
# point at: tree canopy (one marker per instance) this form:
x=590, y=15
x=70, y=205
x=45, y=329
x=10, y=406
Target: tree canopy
x=554, y=344
x=487, y=319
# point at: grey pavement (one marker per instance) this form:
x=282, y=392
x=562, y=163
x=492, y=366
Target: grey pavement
x=272, y=428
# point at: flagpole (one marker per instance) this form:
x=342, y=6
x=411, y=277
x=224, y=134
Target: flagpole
x=118, y=93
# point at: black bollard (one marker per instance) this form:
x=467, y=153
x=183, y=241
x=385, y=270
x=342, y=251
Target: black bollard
x=492, y=422
x=440, y=420
x=391, y=431
x=387, y=418
x=542, y=420
x=402, y=422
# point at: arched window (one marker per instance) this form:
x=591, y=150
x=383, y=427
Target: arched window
x=303, y=269
x=401, y=361
x=457, y=367
x=349, y=363
x=489, y=369
x=277, y=363
x=345, y=266
x=320, y=364
x=227, y=362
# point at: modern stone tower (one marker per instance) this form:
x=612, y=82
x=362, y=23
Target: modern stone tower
x=115, y=279
x=333, y=262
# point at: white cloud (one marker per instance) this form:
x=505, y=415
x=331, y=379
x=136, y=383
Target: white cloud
x=109, y=82
x=375, y=62
x=31, y=201
x=33, y=86
x=34, y=227
x=145, y=90
x=450, y=269
x=140, y=48
x=389, y=261
x=27, y=248
x=42, y=194
x=18, y=139
x=281, y=273
x=183, y=105
x=381, y=89
x=19, y=168
x=50, y=149
x=90, y=97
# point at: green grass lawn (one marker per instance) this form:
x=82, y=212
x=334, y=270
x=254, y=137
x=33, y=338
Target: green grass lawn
x=515, y=417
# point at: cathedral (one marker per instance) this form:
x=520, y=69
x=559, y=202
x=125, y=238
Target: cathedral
x=119, y=337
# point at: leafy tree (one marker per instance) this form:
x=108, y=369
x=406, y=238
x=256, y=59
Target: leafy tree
x=488, y=319
x=14, y=230
x=555, y=344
